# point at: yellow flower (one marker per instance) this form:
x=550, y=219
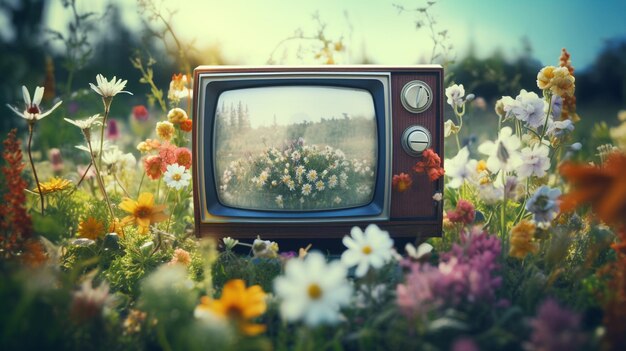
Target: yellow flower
x=522, y=239
x=618, y=134
x=481, y=166
x=239, y=304
x=143, y=212
x=557, y=79
x=165, y=130
x=90, y=228
x=53, y=185
x=177, y=115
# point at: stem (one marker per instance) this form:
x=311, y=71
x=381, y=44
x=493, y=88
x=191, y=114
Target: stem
x=502, y=211
x=545, y=124
x=31, y=129
x=84, y=174
x=120, y=184
x=162, y=338
x=143, y=176
x=107, y=109
x=158, y=188
x=100, y=182
x=169, y=220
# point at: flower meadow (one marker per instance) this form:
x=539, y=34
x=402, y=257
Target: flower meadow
x=97, y=249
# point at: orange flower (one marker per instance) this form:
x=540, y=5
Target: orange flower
x=90, y=228
x=143, y=212
x=604, y=187
x=238, y=303
x=186, y=125
x=401, y=182
x=430, y=164
x=183, y=157
x=154, y=166
x=522, y=239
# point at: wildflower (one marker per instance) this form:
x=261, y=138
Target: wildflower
x=186, y=125
x=417, y=296
x=177, y=115
x=264, y=248
x=56, y=161
x=89, y=302
x=535, y=161
x=503, y=154
x=544, y=205
x=53, y=185
x=421, y=252
x=430, y=164
x=460, y=168
x=555, y=328
x=557, y=79
x=176, y=176
x=134, y=320
x=113, y=131
x=463, y=213
x=306, y=189
x=143, y=212
x=450, y=128
x=529, y=108
x=165, y=130
x=181, y=257
x=109, y=88
x=604, y=187
x=183, y=157
x=312, y=175
x=455, y=94
x=140, y=113
x=230, y=243
x=438, y=196
x=32, y=111
x=522, y=239
x=279, y=201
x=400, y=182
x=464, y=344
x=332, y=181
x=239, y=304
x=148, y=145
x=154, y=166
x=178, y=88
x=90, y=228
x=96, y=147
x=560, y=128
x=365, y=250
x=319, y=185
x=313, y=290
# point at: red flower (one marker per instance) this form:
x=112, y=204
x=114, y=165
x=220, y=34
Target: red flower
x=167, y=152
x=401, y=182
x=464, y=213
x=140, y=113
x=183, y=157
x=430, y=164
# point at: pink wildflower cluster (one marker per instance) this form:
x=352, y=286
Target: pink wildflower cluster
x=463, y=213
x=465, y=273
x=156, y=165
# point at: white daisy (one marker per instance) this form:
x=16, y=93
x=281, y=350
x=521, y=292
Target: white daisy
x=176, y=176
x=503, y=152
x=332, y=181
x=87, y=123
x=312, y=175
x=319, y=185
x=460, y=168
x=372, y=248
x=312, y=290
x=291, y=185
x=279, y=201
x=306, y=189
x=32, y=110
x=108, y=89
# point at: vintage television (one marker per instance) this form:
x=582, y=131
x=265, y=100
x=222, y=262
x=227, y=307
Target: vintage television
x=307, y=153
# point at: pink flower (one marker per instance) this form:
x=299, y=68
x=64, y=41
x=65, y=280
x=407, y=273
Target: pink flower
x=464, y=213
x=154, y=166
x=55, y=160
x=181, y=257
x=167, y=152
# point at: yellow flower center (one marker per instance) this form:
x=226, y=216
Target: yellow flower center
x=315, y=292
x=176, y=177
x=367, y=249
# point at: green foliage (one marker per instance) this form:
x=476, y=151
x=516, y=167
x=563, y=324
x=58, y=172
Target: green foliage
x=261, y=271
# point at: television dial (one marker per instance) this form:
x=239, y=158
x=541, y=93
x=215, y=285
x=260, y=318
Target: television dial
x=416, y=96
x=415, y=140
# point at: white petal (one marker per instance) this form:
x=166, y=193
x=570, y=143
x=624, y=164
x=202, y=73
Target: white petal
x=38, y=96
x=49, y=111
x=361, y=269
x=350, y=257
x=17, y=112
x=26, y=95
x=95, y=88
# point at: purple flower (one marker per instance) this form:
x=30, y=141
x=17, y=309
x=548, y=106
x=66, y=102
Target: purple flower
x=555, y=328
x=113, y=131
x=464, y=344
x=543, y=205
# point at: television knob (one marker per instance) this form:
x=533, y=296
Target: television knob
x=416, y=96
x=415, y=140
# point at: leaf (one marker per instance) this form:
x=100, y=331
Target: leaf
x=447, y=323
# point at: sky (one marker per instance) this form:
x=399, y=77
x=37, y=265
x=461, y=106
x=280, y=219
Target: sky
x=292, y=105
x=248, y=30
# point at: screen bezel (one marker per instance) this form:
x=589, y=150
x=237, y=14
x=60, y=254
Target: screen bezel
x=211, y=85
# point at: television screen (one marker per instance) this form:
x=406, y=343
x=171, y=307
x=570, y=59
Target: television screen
x=295, y=148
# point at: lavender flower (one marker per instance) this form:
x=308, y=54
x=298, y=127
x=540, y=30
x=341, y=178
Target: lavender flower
x=555, y=328
x=544, y=205
x=557, y=106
